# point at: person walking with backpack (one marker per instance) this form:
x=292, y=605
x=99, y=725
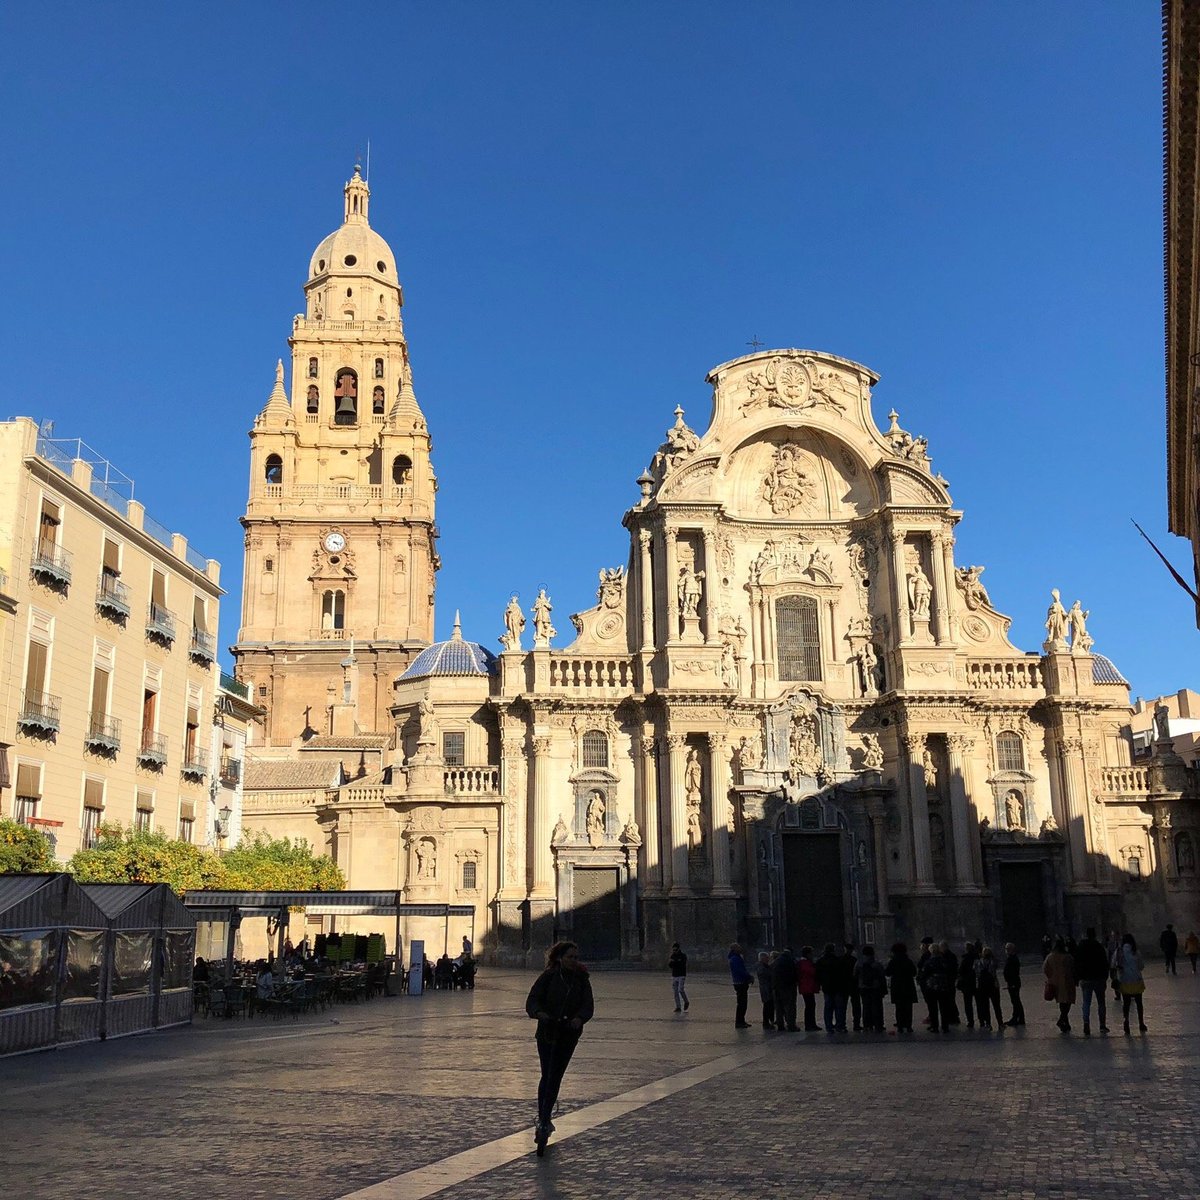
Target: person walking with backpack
x=1091, y=969
x=678, y=967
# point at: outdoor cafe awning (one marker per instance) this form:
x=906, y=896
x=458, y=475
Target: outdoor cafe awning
x=348, y=904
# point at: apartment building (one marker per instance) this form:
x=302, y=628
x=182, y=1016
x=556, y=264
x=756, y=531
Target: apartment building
x=108, y=651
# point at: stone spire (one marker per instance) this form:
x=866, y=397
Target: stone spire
x=358, y=196
x=278, y=412
x=406, y=414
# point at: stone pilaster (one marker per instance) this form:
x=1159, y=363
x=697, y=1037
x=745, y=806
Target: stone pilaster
x=899, y=597
x=718, y=807
x=963, y=816
x=647, y=591
x=651, y=873
x=680, y=878
x=541, y=860
x=1070, y=753
x=941, y=593
x=710, y=591
x=914, y=745
x=671, y=582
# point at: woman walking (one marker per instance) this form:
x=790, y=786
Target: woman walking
x=1129, y=966
x=741, y=985
x=1059, y=969
x=561, y=1003
x=1191, y=948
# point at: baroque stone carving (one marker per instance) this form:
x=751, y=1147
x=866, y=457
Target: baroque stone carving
x=543, y=631
x=872, y=752
x=514, y=625
x=561, y=832
x=794, y=384
x=1056, y=624
x=974, y=594
x=919, y=592
x=787, y=486
x=1081, y=641
x=690, y=589
x=612, y=587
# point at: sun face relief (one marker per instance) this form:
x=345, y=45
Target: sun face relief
x=335, y=541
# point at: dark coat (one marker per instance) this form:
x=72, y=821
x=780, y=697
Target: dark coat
x=1012, y=971
x=678, y=964
x=783, y=974
x=1091, y=961
x=966, y=973
x=870, y=976
x=937, y=973
x=835, y=973
x=806, y=977
x=562, y=995
x=902, y=971
x=1168, y=942
x=737, y=969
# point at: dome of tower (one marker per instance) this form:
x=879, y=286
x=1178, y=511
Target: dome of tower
x=454, y=657
x=355, y=248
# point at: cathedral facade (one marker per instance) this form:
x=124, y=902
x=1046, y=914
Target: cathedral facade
x=791, y=716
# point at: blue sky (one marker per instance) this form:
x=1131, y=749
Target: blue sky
x=591, y=205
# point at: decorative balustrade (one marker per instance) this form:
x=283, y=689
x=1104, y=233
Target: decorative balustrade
x=584, y=674
x=358, y=795
x=1004, y=674
x=112, y=596
x=1125, y=781
x=334, y=635
x=337, y=491
x=471, y=781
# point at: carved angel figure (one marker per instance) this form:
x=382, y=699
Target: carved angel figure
x=872, y=752
x=973, y=592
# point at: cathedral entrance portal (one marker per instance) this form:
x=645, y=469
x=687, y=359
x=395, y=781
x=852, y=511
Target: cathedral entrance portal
x=1023, y=912
x=812, y=879
x=596, y=919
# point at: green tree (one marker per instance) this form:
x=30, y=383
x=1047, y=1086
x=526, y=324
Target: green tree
x=264, y=864
x=145, y=856
x=24, y=849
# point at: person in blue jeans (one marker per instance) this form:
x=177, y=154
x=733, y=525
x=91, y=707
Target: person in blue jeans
x=742, y=979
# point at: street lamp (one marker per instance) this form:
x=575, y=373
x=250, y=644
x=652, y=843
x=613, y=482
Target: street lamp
x=223, y=822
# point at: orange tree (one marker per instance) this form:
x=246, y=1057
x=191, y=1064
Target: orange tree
x=24, y=849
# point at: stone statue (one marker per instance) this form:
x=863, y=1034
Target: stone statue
x=693, y=829
x=514, y=625
x=1162, y=723
x=561, y=832
x=1056, y=623
x=1014, y=811
x=919, y=591
x=805, y=756
x=1049, y=827
x=872, y=752
x=612, y=587
x=595, y=817
x=1081, y=642
x=930, y=769
x=974, y=593
x=543, y=631
x=425, y=734
x=729, y=671
x=692, y=777
x=681, y=441
x=631, y=835
x=868, y=660
x=750, y=753
x=426, y=859
x=690, y=591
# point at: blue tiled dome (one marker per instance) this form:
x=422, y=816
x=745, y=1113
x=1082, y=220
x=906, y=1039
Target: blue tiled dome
x=1103, y=671
x=455, y=657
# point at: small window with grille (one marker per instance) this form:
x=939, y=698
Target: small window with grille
x=454, y=748
x=470, y=876
x=798, y=638
x=1010, y=752
x=595, y=749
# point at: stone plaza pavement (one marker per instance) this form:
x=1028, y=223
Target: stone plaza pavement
x=409, y=1097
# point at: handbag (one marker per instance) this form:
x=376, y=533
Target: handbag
x=1048, y=992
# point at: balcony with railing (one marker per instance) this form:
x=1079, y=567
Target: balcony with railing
x=39, y=713
x=1125, y=781
x=471, y=781
x=112, y=597
x=236, y=686
x=152, y=751
x=203, y=647
x=103, y=733
x=160, y=624
x=52, y=564
x=1004, y=674
x=195, y=762
x=231, y=770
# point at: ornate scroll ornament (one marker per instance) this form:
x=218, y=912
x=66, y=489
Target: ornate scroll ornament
x=959, y=743
x=929, y=669
x=694, y=666
x=787, y=487
x=725, y=557
x=541, y=744
x=794, y=384
x=612, y=587
x=676, y=741
x=787, y=557
x=1071, y=745
x=973, y=592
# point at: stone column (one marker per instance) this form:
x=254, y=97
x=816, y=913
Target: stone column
x=941, y=615
x=514, y=877
x=876, y=813
x=718, y=808
x=647, y=590
x=680, y=881
x=946, y=545
x=648, y=783
x=962, y=811
x=710, y=576
x=899, y=596
x=914, y=745
x=1070, y=753
x=541, y=860
x=671, y=582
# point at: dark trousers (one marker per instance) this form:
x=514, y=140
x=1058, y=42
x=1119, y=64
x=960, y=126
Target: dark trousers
x=1138, y=1001
x=1170, y=962
x=872, y=1011
x=985, y=1003
x=856, y=1009
x=768, y=1003
x=742, y=992
x=969, y=1006
x=903, y=1015
x=835, y=1012
x=554, y=1055
x=785, y=1008
x=810, y=1011
x=1018, y=1009
x=942, y=1005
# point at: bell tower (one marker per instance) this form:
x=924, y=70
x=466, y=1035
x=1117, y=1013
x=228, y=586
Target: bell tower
x=340, y=536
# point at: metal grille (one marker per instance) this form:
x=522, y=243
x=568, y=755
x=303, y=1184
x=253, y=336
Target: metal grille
x=595, y=748
x=1010, y=753
x=469, y=876
x=798, y=638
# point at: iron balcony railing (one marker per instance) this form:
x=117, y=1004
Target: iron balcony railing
x=52, y=562
x=236, y=686
x=104, y=732
x=160, y=623
x=231, y=770
x=195, y=762
x=112, y=595
x=153, y=749
x=203, y=646
x=40, y=712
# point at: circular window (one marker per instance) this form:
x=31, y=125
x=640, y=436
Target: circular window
x=350, y=260
x=381, y=266
x=321, y=265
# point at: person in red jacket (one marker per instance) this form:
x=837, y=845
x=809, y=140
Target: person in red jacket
x=806, y=985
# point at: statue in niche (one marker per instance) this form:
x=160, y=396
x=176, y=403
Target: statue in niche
x=974, y=593
x=543, y=631
x=426, y=859
x=595, y=817
x=919, y=591
x=1185, y=854
x=514, y=625
x=930, y=769
x=1081, y=642
x=694, y=834
x=425, y=731
x=937, y=841
x=1014, y=811
x=729, y=672
x=749, y=753
x=561, y=832
x=1056, y=623
x=692, y=777
x=872, y=752
x=690, y=591
x=786, y=486
x=868, y=660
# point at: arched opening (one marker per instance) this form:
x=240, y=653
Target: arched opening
x=312, y=368
x=345, y=397
x=797, y=638
x=377, y=402
x=274, y=469
x=379, y=368
x=333, y=611
x=314, y=398
x=401, y=470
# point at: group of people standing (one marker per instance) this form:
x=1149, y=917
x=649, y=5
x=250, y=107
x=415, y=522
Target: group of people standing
x=853, y=985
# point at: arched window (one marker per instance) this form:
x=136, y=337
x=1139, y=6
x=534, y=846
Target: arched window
x=595, y=748
x=1010, y=752
x=470, y=875
x=314, y=398
x=797, y=638
x=377, y=401
x=274, y=471
x=312, y=368
x=401, y=470
x=345, y=398
x=379, y=368
x=333, y=610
